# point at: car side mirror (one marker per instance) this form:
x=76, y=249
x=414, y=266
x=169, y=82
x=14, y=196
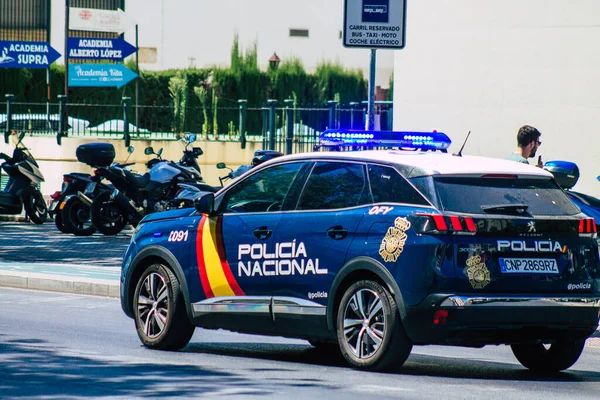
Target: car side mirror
x=148, y=151
x=205, y=203
x=221, y=165
x=192, y=138
x=130, y=149
x=21, y=136
x=159, y=152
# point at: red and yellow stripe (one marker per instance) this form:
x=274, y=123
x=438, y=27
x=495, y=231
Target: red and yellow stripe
x=215, y=273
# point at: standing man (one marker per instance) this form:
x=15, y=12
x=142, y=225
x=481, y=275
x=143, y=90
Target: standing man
x=528, y=141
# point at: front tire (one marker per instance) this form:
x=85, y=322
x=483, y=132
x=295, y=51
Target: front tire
x=76, y=217
x=35, y=207
x=107, y=216
x=559, y=356
x=159, y=310
x=369, y=328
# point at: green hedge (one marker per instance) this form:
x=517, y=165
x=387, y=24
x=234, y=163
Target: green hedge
x=243, y=80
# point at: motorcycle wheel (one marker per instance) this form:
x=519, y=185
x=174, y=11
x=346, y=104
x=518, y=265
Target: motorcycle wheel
x=107, y=217
x=35, y=207
x=77, y=217
x=60, y=225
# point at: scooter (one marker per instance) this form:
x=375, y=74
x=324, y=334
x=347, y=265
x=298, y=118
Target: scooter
x=22, y=189
x=72, y=183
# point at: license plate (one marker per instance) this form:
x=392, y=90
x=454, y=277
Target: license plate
x=90, y=187
x=528, y=266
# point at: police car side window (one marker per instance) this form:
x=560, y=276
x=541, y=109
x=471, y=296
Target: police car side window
x=335, y=185
x=263, y=191
x=388, y=186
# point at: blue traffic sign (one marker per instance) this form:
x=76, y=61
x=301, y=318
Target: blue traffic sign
x=100, y=49
x=100, y=75
x=15, y=54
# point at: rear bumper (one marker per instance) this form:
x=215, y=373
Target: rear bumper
x=478, y=321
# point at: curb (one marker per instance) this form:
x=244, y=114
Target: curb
x=63, y=286
x=60, y=283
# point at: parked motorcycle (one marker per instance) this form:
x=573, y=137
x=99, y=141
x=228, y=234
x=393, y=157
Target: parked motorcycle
x=137, y=195
x=22, y=189
x=260, y=156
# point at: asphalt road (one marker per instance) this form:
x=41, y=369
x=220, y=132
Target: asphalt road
x=30, y=243
x=71, y=346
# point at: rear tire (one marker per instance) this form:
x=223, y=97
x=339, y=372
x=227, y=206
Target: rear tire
x=77, y=218
x=58, y=221
x=107, y=216
x=159, y=310
x=369, y=328
x=559, y=356
x=35, y=207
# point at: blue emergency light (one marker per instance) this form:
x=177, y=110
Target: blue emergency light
x=408, y=140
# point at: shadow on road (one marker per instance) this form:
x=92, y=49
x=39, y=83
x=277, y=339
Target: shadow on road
x=28, y=370
x=417, y=364
x=26, y=242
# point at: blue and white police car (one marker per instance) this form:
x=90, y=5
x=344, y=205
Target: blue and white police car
x=373, y=252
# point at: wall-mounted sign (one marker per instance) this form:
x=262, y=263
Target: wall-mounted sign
x=26, y=54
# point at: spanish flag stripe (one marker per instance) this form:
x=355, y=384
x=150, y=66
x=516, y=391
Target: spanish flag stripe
x=214, y=269
x=201, y=267
x=224, y=264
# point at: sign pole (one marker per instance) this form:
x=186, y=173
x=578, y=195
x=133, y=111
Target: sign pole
x=371, y=107
x=66, y=48
x=137, y=80
x=374, y=24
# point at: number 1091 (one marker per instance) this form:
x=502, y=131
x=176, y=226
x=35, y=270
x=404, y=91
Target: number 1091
x=178, y=236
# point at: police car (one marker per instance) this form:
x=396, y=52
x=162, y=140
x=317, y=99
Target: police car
x=373, y=252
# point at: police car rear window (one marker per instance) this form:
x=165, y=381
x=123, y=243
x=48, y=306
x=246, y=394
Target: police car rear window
x=487, y=195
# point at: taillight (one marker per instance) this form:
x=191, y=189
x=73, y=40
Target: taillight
x=97, y=172
x=55, y=195
x=440, y=317
x=67, y=179
x=453, y=224
x=587, y=227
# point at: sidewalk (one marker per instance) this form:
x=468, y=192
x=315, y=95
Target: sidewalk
x=77, y=279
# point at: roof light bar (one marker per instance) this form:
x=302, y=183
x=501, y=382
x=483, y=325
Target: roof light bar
x=411, y=140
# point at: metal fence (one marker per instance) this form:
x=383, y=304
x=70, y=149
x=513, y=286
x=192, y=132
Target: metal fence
x=280, y=126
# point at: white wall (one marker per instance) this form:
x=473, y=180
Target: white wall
x=204, y=29
x=492, y=66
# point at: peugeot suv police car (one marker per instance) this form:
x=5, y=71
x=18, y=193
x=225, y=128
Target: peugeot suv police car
x=373, y=252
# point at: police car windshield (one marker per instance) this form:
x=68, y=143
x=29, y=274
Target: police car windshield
x=535, y=196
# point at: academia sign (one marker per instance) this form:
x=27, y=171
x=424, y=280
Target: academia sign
x=375, y=24
x=27, y=54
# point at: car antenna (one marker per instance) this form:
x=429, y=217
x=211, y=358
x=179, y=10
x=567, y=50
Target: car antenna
x=459, y=154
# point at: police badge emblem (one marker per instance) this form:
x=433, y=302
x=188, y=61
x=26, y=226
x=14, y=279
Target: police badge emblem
x=478, y=274
x=392, y=244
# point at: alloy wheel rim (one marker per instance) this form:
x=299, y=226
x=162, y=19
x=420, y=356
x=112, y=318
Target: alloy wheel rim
x=153, y=305
x=364, y=323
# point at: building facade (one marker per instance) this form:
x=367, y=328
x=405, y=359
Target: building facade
x=491, y=67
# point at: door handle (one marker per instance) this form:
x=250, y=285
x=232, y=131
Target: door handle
x=337, y=232
x=262, y=233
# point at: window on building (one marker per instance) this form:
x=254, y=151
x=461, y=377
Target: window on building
x=298, y=32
